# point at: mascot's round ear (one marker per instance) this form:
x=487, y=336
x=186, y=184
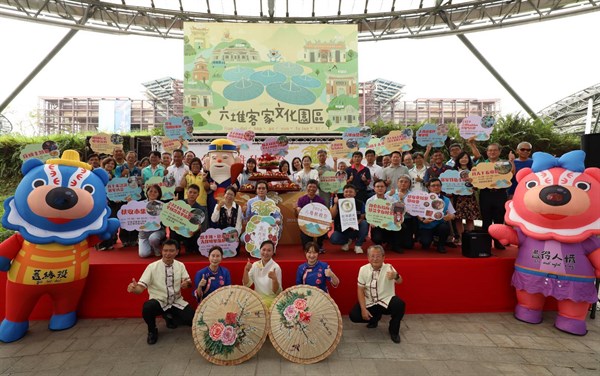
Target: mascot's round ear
x=30, y=164
x=594, y=172
x=102, y=174
x=522, y=173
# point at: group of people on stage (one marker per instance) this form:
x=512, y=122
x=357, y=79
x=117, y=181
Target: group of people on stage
x=164, y=279
x=392, y=179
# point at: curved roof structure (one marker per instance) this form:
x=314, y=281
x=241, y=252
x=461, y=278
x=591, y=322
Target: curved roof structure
x=376, y=19
x=569, y=114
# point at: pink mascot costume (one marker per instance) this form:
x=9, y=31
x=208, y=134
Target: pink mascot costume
x=555, y=216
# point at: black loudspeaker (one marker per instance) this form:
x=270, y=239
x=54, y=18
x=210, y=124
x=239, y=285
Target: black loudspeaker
x=589, y=144
x=476, y=244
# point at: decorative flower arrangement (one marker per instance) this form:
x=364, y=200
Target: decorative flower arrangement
x=222, y=336
x=294, y=310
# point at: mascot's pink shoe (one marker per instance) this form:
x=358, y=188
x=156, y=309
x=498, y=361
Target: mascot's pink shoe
x=531, y=316
x=571, y=326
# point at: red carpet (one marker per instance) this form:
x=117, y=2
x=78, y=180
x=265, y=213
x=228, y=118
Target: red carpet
x=433, y=282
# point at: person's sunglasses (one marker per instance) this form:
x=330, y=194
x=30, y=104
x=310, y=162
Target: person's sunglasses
x=525, y=150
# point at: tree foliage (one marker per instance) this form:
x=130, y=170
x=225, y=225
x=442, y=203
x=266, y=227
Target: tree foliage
x=509, y=131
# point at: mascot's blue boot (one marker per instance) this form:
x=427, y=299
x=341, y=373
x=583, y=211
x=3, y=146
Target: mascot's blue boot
x=62, y=322
x=13, y=331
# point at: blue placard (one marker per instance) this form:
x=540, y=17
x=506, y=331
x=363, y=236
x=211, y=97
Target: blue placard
x=432, y=134
x=123, y=189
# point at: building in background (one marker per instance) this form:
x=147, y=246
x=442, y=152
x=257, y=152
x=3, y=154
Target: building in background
x=380, y=99
x=164, y=99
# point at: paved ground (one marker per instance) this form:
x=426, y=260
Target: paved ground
x=465, y=344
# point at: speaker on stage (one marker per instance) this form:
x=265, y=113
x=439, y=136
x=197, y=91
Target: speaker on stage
x=476, y=244
x=589, y=144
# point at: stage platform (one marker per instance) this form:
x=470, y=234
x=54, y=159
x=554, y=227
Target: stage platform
x=433, y=282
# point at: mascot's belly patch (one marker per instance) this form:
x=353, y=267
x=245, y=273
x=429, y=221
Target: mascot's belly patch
x=40, y=264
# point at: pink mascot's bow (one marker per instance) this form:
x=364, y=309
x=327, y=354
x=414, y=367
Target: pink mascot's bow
x=554, y=214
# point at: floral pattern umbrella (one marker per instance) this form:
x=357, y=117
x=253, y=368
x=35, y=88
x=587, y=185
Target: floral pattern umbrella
x=306, y=324
x=230, y=325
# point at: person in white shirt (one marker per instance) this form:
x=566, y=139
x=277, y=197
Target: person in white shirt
x=178, y=170
x=417, y=173
x=164, y=280
x=375, y=169
x=376, y=294
x=265, y=274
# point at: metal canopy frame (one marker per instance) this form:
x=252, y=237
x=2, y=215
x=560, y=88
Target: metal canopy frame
x=388, y=21
x=569, y=114
x=432, y=18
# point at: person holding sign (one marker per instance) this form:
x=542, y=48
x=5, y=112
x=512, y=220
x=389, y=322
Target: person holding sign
x=322, y=168
x=265, y=274
x=314, y=272
x=149, y=241
x=228, y=213
x=376, y=294
x=155, y=168
x=213, y=276
x=417, y=173
x=354, y=209
x=178, y=170
x=410, y=224
x=312, y=187
x=466, y=206
x=428, y=228
x=109, y=164
x=492, y=200
x=359, y=176
x=262, y=188
x=164, y=280
x=197, y=177
x=381, y=235
x=190, y=243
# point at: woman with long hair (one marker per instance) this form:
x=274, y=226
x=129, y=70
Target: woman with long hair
x=149, y=241
x=250, y=169
x=466, y=207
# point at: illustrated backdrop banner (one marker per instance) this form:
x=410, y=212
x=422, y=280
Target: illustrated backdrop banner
x=271, y=78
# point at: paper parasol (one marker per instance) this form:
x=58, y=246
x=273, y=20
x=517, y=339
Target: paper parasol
x=306, y=324
x=230, y=325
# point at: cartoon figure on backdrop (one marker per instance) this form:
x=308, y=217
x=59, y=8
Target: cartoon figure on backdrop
x=224, y=168
x=60, y=211
x=555, y=216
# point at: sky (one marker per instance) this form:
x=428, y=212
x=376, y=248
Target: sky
x=544, y=62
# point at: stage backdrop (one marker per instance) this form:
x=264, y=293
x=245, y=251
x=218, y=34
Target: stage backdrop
x=271, y=78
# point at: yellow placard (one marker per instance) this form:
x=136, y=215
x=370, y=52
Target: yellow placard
x=494, y=175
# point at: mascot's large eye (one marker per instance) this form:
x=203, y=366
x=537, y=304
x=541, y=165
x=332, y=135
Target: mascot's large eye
x=38, y=183
x=90, y=188
x=531, y=184
x=584, y=186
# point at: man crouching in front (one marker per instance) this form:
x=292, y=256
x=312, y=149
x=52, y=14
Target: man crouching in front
x=376, y=293
x=164, y=280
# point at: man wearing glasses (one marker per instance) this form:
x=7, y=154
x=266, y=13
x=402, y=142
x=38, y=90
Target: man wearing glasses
x=523, y=160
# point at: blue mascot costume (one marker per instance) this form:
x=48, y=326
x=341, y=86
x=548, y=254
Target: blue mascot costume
x=60, y=211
